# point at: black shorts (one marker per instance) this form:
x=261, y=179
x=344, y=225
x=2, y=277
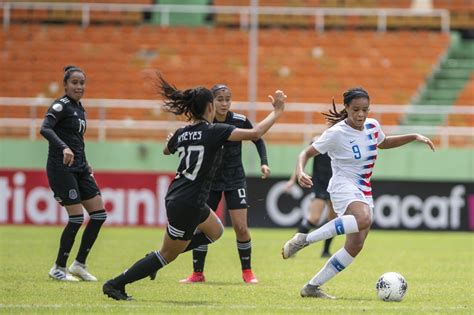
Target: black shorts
x=71, y=187
x=234, y=199
x=320, y=186
x=183, y=219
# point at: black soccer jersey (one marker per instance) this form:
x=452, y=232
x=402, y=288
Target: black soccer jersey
x=231, y=174
x=198, y=147
x=64, y=127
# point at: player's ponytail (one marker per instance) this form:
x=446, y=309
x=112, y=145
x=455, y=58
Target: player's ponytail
x=334, y=116
x=68, y=70
x=191, y=102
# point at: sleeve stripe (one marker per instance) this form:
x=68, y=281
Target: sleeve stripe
x=239, y=117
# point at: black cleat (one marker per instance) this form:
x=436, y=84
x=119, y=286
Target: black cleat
x=115, y=292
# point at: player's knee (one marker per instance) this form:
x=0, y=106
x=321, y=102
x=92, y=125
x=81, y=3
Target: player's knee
x=364, y=221
x=241, y=230
x=217, y=231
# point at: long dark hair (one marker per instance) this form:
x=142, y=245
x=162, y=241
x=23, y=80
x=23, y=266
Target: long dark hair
x=191, y=102
x=334, y=116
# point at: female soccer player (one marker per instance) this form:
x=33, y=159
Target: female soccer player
x=230, y=180
x=199, y=146
x=352, y=144
x=321, y=175
x=70, y=175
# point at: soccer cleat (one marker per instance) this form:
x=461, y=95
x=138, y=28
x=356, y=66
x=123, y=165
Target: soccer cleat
x=60, y=274
x=310, y=290
x=115, y=292
x=249, y=277
x=194, y=277
x=80, y=270
x=294, y=245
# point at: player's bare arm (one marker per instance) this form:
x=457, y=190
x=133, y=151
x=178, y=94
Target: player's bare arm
x=304, y=179
x=397, y=141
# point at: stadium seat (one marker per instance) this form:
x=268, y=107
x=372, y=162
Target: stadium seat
x=315, y=68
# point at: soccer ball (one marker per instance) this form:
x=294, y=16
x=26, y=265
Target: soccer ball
x=391, y=286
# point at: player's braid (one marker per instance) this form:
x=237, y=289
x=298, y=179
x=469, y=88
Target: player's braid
x=334, y=116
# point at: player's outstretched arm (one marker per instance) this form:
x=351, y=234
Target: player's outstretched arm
x=397, y=141
x=304, y=179
x=278, y=103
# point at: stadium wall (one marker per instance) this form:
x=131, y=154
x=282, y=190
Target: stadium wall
x=414, y=189
x=412, y=162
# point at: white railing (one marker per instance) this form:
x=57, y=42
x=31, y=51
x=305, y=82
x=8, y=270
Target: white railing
x=307, y=128
x=244, y=12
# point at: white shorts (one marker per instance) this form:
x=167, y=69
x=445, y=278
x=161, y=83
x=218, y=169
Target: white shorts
x=343, y=193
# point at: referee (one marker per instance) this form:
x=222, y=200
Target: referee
x=70, y=176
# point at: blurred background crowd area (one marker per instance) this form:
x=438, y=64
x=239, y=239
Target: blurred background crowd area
x=415, y=57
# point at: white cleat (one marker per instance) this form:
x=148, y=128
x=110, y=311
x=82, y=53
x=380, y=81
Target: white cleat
x=294, y=245
x=80, y=271
x=60, y=274
x=315, y=291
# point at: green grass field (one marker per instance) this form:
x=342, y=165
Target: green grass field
x=438, y=268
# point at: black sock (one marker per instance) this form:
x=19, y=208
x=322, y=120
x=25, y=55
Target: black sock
x=306, y=226
x=97, y=218
x=198, y=240
x=245, y=253
x=67, y=238
x=143, y=268
x=199, y=257
x=327, y=244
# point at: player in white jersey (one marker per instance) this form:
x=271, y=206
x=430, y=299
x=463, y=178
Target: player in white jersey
x=351, y=142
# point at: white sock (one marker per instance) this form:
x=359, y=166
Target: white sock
x=337, y=263
x=345, y=224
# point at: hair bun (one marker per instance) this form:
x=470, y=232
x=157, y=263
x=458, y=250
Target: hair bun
x=69, y=67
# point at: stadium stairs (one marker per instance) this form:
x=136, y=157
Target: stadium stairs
x=447, y=82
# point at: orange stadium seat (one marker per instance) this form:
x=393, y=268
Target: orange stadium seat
x=314, y=67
